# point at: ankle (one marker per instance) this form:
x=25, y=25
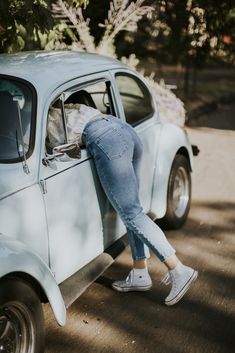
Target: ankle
x=171, y=262
x=140, y=264
x=140, y=271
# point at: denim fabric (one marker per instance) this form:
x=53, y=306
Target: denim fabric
x=117, y=151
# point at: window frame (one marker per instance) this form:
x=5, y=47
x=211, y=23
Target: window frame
x=107, y=80
x=32, y=121
x=137, y=79
x=107, y=84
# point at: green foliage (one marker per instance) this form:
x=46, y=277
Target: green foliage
x=220, y=18
x=24, y=22
x=118, y=16
x=189, y=32
x=20, y=21
x=78, y=3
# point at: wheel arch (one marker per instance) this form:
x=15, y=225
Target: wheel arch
x=184, y=152
x=29, y=279
x=16, y=260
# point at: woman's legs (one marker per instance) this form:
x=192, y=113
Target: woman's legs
x=117, y=175
x=114, y=156
x=140, y=264
x=138, y=249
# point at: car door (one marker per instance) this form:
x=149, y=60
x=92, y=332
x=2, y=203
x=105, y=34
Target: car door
x=139, y=110
x=75, y=202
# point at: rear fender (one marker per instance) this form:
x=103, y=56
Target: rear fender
x=173, y=140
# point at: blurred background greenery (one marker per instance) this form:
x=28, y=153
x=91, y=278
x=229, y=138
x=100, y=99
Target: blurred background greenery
x=189, y=43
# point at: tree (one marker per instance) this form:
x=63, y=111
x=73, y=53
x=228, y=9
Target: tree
x=22, y=22
x=122, y=16
x=220, y=21
x=192, y=32
x=188, y=29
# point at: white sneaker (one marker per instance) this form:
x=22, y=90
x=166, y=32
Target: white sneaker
x=181, y=278
x=137, y=280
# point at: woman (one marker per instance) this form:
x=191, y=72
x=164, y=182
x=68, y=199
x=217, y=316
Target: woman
x=117, y=150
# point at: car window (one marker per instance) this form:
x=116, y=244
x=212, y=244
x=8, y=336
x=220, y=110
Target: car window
x=136, y=99
x=55, y=125
x=16, y=102
x=99, y=94
x=64, y=109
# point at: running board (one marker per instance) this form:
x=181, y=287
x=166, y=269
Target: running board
x=75, y=285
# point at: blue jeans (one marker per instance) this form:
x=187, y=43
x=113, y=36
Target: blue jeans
x=117, y=151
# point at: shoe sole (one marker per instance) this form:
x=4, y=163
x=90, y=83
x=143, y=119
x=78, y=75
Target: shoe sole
x=132, y=289
x=183, y=290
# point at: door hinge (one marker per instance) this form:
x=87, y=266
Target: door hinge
x=43, y=185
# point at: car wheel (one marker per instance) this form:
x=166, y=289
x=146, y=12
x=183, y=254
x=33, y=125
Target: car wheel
x=21, y=318
x=178, y=194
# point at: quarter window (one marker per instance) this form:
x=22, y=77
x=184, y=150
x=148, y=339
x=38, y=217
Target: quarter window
x=136, y=99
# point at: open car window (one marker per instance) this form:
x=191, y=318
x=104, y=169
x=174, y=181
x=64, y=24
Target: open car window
x=66, y=107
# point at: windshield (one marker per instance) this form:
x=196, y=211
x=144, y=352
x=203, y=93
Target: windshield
x=15, y=119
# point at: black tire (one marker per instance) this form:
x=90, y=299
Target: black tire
x=177, y=205
x=21, y=318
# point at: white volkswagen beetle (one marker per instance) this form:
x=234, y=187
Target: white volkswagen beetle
x=58, y=232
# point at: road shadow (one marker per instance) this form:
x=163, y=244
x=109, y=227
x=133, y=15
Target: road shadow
x=202, y=322
x=221, y=117
x=103, y=320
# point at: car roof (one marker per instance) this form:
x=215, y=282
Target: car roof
x=48, y=69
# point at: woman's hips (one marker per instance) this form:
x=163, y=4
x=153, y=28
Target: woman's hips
x=99, y=127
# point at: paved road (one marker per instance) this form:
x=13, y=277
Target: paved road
x=102, y=320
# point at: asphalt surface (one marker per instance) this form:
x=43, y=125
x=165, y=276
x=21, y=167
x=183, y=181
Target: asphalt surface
x=102, y=320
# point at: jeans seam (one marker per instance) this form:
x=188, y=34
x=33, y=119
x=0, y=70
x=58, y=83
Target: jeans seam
x=147, y=241
x=128, y=221
x=137, y=258
x=134, y=247
x=111, y=193
x=142, y=230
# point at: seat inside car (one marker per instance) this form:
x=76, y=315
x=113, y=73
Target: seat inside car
x=82, y=97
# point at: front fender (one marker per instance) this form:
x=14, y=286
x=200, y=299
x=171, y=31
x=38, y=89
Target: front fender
x=173, y=140
x=16, y=257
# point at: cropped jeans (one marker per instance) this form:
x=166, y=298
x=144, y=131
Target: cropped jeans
x=117, y=151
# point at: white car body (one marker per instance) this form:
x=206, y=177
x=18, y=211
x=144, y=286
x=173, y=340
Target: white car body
x=56, y=220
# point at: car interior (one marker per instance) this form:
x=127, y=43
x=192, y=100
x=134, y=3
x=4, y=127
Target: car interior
x=81, y=97
x=96, y=96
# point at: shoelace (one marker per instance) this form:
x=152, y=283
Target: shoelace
x=166, y=278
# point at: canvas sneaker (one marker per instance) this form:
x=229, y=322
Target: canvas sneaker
x=137, y=280
x=181, y=278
